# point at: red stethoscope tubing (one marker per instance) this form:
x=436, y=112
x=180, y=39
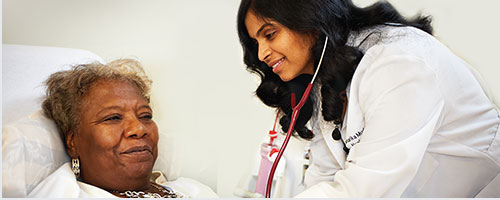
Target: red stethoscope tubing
x=295, y=114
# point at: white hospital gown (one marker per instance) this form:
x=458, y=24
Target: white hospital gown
x=62, y=183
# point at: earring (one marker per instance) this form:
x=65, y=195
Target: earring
x=75, y=166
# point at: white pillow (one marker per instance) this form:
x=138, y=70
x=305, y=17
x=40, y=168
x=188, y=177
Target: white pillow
x=31, y=150
x=167, y=161
x=31, y=147
x=25, y=68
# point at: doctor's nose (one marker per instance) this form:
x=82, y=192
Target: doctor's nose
x=264, y=52
x=135, y=129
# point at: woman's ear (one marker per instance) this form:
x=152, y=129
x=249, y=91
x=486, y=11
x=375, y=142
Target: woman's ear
x=70, y=145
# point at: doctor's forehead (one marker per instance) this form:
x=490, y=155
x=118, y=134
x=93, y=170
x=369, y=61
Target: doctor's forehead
x=255, y=24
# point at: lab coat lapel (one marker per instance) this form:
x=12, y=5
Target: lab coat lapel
x=326, y=129
x=353, y=125
x=335, y=146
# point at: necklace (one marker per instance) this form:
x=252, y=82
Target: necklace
x=338, y=123
x=167, y=193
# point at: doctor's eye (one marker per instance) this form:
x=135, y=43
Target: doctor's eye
x=270, y=35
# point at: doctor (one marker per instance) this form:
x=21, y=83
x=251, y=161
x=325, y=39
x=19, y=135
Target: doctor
x=394, y=113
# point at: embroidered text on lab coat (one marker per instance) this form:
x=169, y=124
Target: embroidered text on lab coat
x=354, y=139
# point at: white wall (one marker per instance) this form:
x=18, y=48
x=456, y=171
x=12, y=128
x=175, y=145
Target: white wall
x=468, y=28
x=202, y=94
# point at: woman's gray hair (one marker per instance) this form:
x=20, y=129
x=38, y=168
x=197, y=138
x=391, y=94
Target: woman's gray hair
x=65, y=89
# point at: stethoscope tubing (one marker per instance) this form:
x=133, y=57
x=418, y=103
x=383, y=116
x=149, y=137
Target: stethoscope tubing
x=295, y=115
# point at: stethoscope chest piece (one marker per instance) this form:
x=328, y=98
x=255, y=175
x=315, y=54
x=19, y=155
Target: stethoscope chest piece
x=336, y=132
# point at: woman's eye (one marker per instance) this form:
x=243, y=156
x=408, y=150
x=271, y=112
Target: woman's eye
x=147, y=116
x=270, y=35
x=113, y=118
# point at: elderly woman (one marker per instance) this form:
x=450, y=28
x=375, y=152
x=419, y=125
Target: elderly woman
x=103, y=114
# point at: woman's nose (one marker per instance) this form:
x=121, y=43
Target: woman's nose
x=264, y=52
x=135, y=129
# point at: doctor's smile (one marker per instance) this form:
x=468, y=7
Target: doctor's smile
x=276, y=65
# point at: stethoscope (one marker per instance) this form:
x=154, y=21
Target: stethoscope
x=295, y=115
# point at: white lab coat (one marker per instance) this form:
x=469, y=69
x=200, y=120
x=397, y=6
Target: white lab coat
x=418, y=124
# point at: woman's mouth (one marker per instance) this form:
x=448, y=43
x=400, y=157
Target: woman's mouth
x=138, y=149
x=277, y=66
x=138, y=153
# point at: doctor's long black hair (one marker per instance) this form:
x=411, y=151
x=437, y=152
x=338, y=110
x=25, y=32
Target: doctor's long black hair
x=334, y=18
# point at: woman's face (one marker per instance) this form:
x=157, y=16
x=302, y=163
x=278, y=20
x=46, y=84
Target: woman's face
x=116, y=140
x=288, y=53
